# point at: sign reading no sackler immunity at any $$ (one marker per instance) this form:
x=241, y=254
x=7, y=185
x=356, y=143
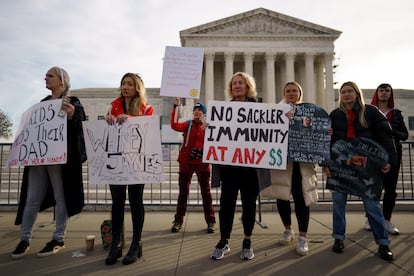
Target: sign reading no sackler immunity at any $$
x=41, y=138
x=246, y=134
x=129, y=153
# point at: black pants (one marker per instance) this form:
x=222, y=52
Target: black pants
x=135, y=195
x=301, y=210
x=233, y=180
x=390, y=186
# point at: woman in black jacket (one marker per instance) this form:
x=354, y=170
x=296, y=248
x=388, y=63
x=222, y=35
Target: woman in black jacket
x=59, y=185
x=355, y=119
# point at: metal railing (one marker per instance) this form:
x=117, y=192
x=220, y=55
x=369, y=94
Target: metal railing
x=166, y=193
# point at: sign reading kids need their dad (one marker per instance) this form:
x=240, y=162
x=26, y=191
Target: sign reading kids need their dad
x=41, y=137
x=246, y=134
x=129, y=153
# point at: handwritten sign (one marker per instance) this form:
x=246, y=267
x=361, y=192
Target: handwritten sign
x=124, y=154
x=246, y=134
x=309, y=140
x=355, y=167
x=181, y=76
x=41, y=138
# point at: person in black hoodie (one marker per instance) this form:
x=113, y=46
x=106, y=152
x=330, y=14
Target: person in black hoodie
x=355, y=119
x=383, y=98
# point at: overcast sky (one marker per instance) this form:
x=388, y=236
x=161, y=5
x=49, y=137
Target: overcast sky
x=97, y=41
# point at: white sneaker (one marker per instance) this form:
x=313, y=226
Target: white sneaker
x=367, y=226
x=391, y=228
x=302, y=248
x=219, y=253
x=247, y=254
x=287, y=237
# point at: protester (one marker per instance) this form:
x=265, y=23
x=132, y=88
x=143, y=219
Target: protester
x=132, y=101
x=59, y=185
x=355, y=119
x=299, y=180
x=240, y=88
x=383, y=98
x=190, y=161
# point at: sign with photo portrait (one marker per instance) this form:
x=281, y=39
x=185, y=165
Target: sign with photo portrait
x=309, y=140
x=356, y=167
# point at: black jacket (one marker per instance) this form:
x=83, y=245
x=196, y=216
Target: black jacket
x=378, y=128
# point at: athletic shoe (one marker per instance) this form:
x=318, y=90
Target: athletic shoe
x=287, y=237
x=21, y=250
x=221, y=249
x=247, y=251
x=211, y=228
x=176, y=227
x=51, y=247
x=391, y=228
x=302, y=248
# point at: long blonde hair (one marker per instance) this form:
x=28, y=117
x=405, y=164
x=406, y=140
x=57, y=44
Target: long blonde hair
x=140, y=97
x=360, y=100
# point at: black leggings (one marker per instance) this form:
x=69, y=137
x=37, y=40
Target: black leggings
x=233, y=180
x=135, y=195
x=301, y=210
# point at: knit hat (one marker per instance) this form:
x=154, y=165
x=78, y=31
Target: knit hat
x=200, y=106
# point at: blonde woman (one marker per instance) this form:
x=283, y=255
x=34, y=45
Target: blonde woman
x=132, y=101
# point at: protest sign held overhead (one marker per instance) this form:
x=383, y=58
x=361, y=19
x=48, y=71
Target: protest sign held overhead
x=309, y=140
x=246, y=134
x=181, y=75
x=41, y=138
x=124, y=154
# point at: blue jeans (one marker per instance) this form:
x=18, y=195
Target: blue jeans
x=39, y=177
x=374, y=214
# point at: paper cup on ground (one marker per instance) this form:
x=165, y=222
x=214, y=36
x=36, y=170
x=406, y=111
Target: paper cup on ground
x=90, y=242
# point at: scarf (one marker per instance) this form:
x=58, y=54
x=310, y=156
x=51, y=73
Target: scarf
x=350, y=117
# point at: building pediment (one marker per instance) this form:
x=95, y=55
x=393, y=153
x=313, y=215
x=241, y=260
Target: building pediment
x=260, y=22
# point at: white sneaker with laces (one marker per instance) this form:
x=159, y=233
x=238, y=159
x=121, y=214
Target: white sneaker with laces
x=391, y=228
x=219, y=253
x=247, y=254
x=367, y=226
x=302, y=248
x=287, y=237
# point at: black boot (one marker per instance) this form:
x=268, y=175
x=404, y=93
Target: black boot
x=115, y=252
x=134, y=252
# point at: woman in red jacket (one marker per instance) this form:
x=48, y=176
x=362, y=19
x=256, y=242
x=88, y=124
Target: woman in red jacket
x=132, y=101
x=190, y=160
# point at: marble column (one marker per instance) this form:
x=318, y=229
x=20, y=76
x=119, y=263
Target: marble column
x=309, y=93
x=270, y=93
x=329, y=90
x=320, y=87
x=228, y=69
x=248, y=63
x=209, y=82
x=290, y=67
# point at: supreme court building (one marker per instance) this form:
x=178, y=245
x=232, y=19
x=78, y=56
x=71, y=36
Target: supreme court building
x=274, y=48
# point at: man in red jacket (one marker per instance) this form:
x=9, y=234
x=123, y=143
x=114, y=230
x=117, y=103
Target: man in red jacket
x=190, y=161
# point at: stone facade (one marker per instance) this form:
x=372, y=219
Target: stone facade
x=272, y=47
